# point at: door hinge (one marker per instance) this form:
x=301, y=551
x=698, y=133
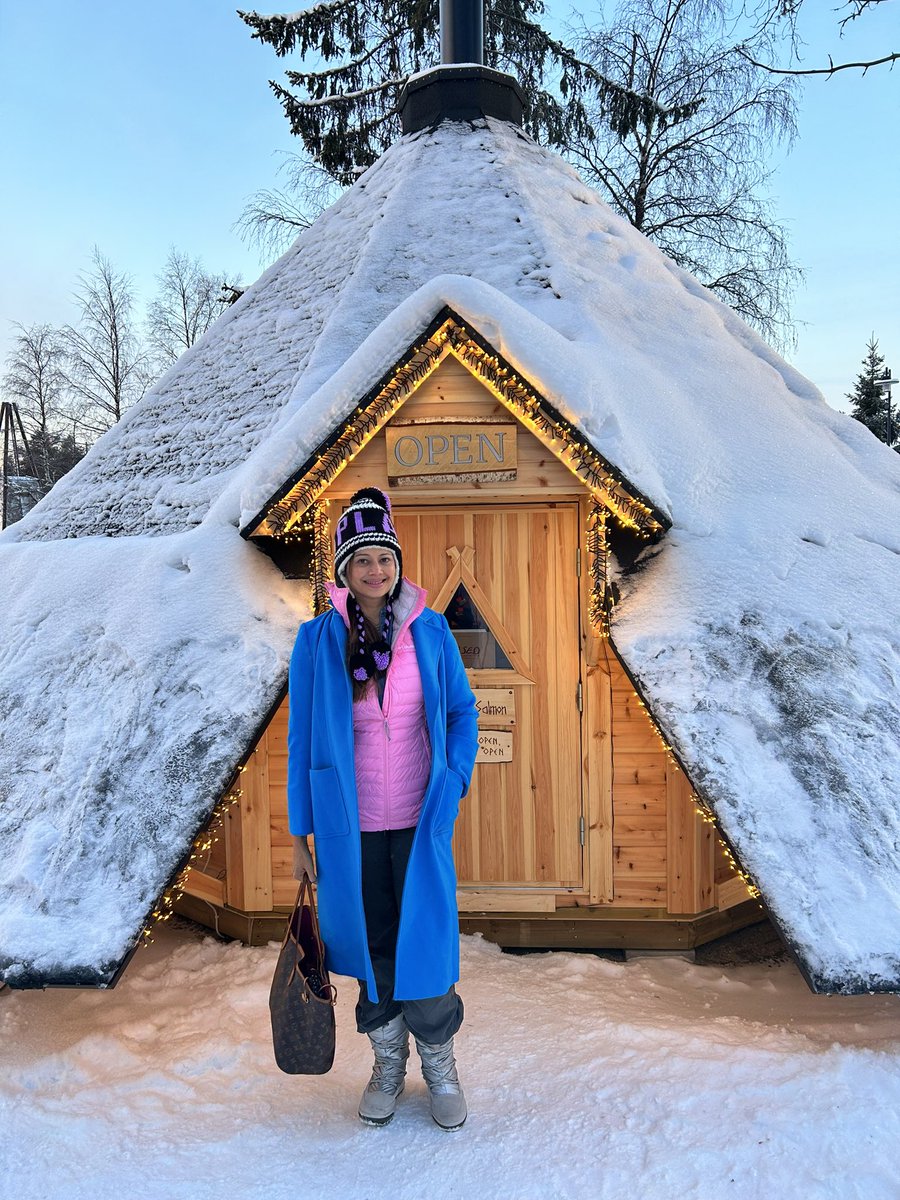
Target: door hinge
x=578, y=562
x=579, y=697
x=581, y=830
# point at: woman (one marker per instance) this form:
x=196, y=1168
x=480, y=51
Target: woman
x=381, y=743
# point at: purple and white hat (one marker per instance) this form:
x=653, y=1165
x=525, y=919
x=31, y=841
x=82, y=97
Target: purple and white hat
x=366, y=522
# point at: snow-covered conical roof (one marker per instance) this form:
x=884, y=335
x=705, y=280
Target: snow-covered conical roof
x=143, y=640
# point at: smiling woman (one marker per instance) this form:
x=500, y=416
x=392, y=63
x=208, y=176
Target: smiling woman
x=381, y=744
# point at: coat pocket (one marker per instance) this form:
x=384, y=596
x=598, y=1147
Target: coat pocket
x=329, y=811
x=448, y=808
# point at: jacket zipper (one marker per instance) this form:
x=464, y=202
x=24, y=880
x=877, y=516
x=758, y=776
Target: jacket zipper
x=387, y=737
x=387, y=787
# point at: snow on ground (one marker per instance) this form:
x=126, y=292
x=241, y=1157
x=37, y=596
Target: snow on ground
x=587, y=1079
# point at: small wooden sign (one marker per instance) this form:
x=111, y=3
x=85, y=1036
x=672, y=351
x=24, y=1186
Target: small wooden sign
x=494, y=745
x=496, y=706
x=441, y=449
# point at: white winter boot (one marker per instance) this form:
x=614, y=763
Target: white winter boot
x=391, y=1046
x=448, y=1104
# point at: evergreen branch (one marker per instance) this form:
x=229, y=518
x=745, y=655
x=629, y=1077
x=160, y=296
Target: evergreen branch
x=637, y=102
x=352, y=64
x=282, y=30
x=338, y=98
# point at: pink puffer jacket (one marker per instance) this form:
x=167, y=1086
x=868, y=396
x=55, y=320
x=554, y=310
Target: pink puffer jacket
x=391, y=747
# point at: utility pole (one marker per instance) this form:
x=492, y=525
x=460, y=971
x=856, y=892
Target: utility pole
x=14, y=451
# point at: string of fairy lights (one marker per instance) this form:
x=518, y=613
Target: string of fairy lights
x=363, y=424
x=601, y=598
x=200, y=847
x=564, y=440
x=316, y=529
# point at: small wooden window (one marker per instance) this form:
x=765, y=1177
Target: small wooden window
x=478, y=645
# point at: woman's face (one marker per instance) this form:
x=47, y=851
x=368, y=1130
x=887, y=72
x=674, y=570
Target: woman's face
x=371, y=573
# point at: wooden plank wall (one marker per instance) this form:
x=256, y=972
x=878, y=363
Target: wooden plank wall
x=690, y=849
x=248, y=884
x=664, y=856
x=284, y=886
x=639, y=799
x=730, y=887
x=663, y=850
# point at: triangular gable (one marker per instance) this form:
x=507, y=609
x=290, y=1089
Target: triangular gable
x=450, y=334
x=294, y=509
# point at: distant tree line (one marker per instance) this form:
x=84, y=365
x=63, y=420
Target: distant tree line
x=72, y=383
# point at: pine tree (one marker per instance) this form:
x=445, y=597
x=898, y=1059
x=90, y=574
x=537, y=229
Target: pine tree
x=60, y=451
x=347, y=115
x=872, y=404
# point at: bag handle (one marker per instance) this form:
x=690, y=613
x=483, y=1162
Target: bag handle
x=306, y=898
x=305, y=890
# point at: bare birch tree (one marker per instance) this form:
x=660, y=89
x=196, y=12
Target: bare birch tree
x=273, y=217
x=697, y=189
x=776, y=26
x=107, y=364
x=188, y=301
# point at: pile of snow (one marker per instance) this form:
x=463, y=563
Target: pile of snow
x=586, y=1080
x=141, y=668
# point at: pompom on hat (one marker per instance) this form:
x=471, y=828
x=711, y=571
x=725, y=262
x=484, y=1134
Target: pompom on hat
x=366, y=522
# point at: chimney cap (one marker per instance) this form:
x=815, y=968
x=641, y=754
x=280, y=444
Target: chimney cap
x=459, y=92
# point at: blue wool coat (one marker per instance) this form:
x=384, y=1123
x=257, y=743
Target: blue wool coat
x=322, y=801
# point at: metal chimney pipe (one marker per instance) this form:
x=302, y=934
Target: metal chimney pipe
x=462, y=31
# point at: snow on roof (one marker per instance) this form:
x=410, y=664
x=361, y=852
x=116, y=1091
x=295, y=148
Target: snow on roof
x=762, y=629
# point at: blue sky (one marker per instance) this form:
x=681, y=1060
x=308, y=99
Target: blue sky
x=139, y=125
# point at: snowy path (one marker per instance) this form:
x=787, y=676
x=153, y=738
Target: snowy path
x=587, y=1080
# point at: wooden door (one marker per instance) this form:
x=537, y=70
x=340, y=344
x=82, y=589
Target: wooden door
x=507, y=579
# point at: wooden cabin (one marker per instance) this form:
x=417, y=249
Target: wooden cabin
x=580, y=828
x=632, y=511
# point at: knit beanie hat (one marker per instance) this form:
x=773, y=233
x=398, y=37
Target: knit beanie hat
x=366, y=522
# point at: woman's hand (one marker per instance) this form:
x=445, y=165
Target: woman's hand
x=303, y=860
